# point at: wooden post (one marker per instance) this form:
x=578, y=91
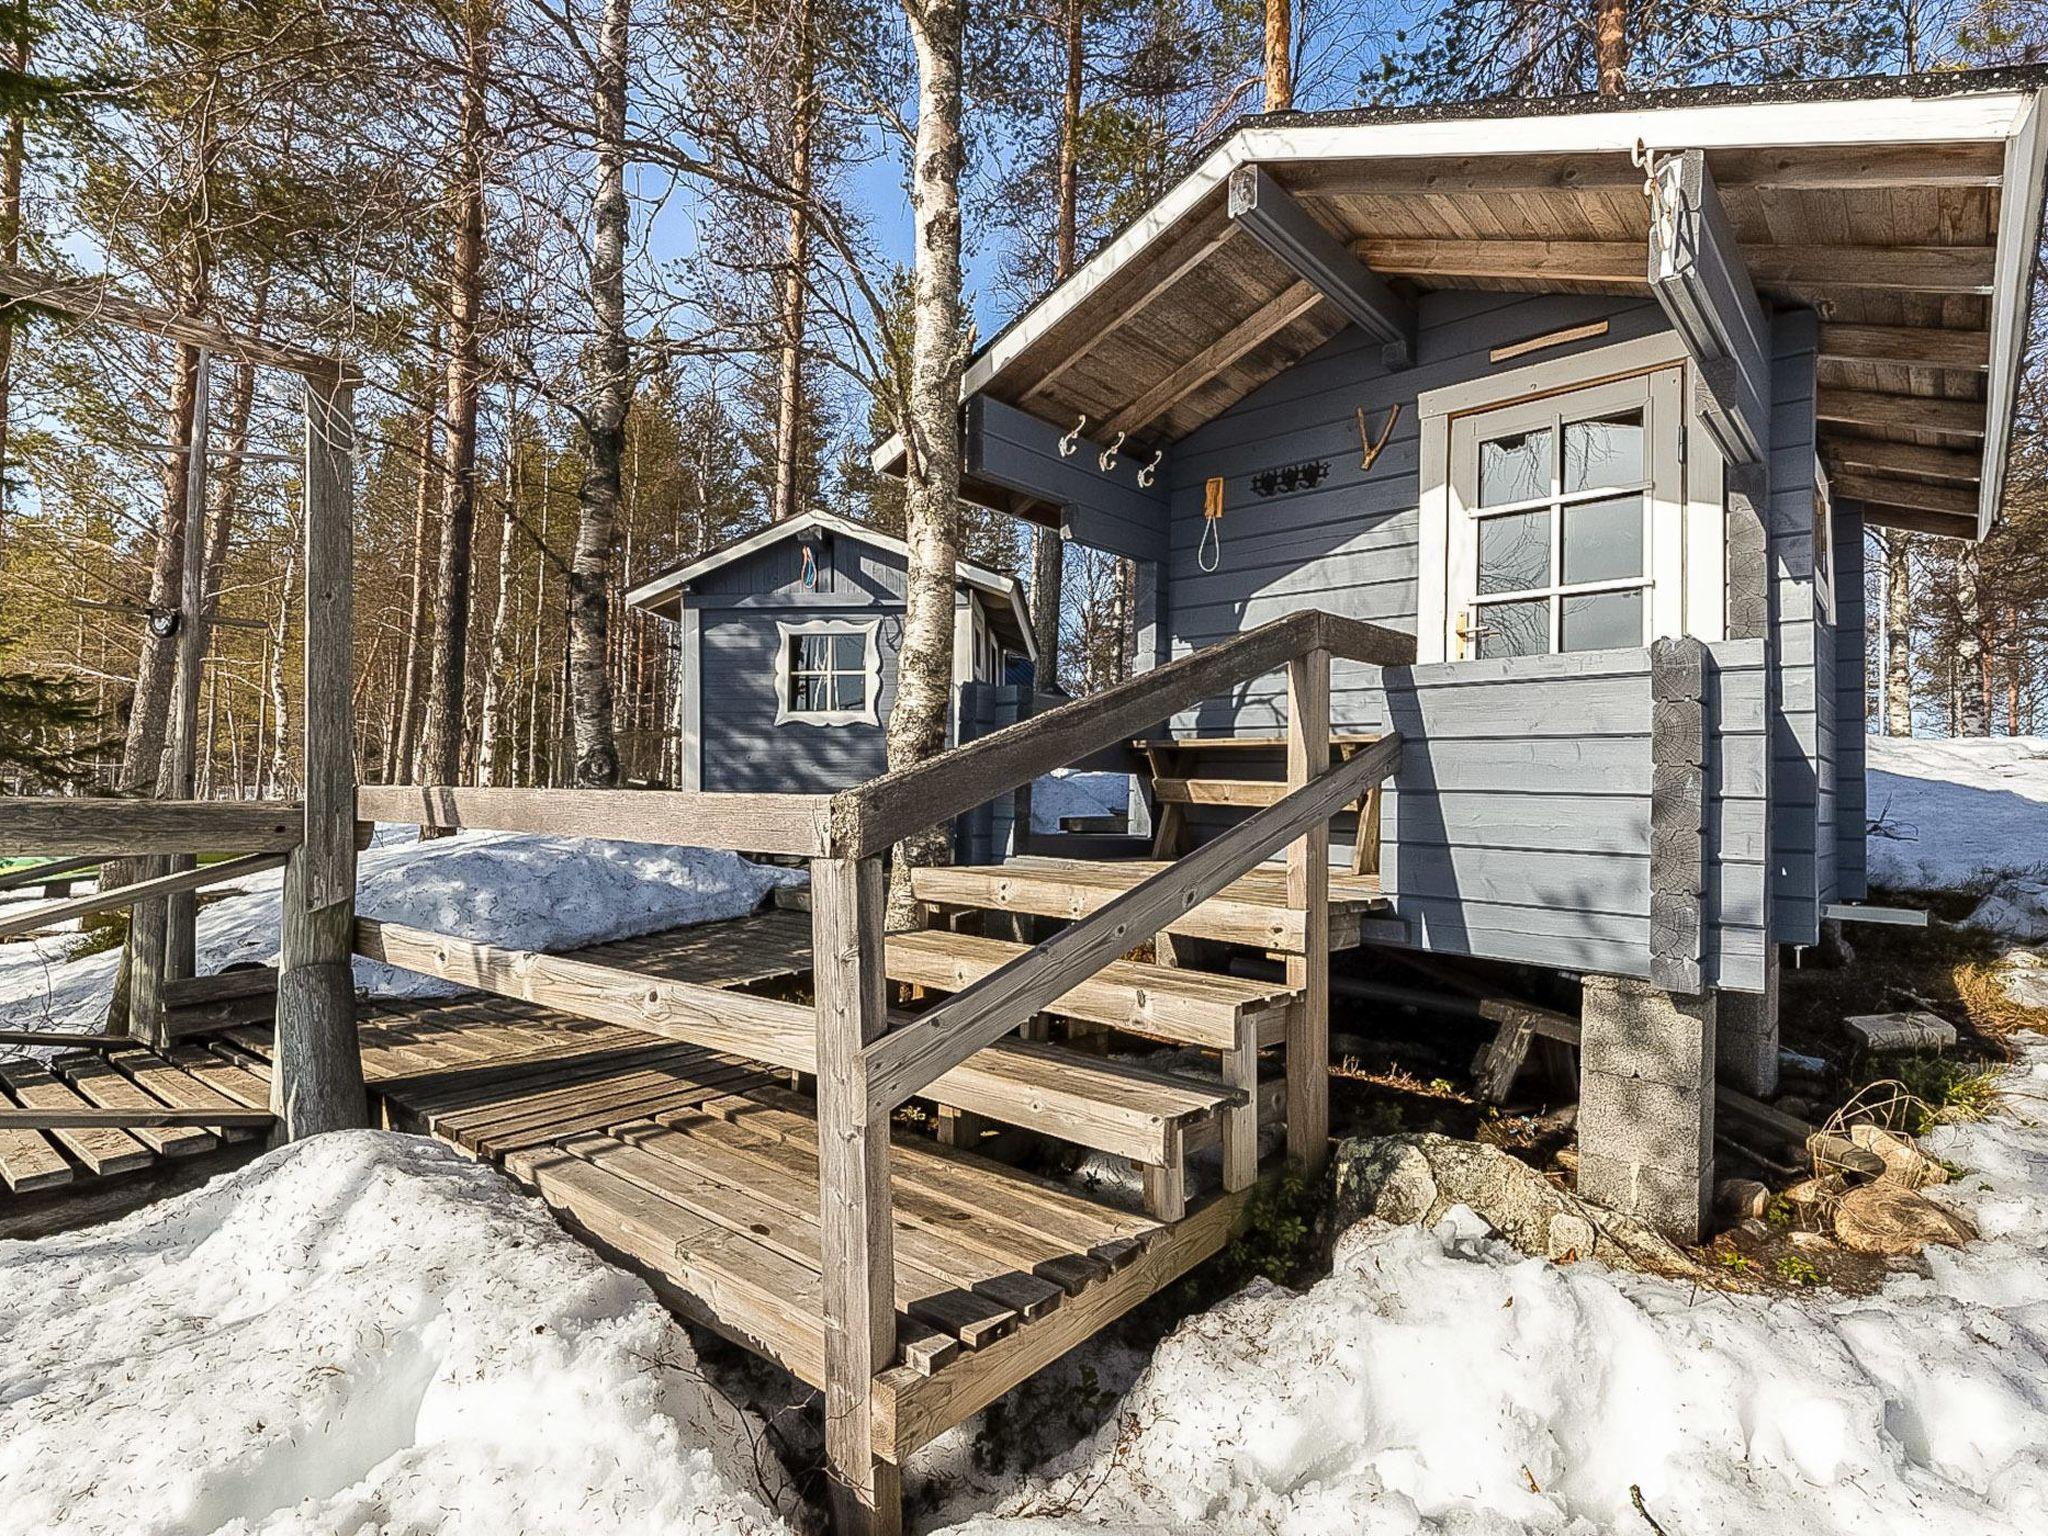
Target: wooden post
x=317, y=1083
x=1308, y=892
x=847, y=899
x=180, y=927
x=147, y=921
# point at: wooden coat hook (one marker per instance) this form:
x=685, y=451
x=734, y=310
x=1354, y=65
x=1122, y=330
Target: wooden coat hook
x=1371, y=445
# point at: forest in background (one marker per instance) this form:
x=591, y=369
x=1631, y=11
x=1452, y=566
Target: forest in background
x=628, y=279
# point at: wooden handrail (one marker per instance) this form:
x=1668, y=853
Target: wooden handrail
x=907, y=1059
x=46, y=873
x=121, y=828
x=874, y=816
x=141, y=890
x=791, y=824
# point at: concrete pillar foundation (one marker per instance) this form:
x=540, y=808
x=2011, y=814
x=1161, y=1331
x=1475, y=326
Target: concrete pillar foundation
x=1646, y=1103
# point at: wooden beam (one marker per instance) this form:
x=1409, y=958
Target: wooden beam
x=758, y=1028
x=109, y=828
x=1923, y=413
x=1022, y=454
x=123, y=895
x=316, y=1081
x=1912, y=269
x=856, y=1239
x=1873, y=453
x=1263, y=209
x=792, y=824
x=1250, y=333
x=45, y=874
x=2019, y=242
x=902, y=1063
x=1699, y=279
x=873, y=816
x=12, y=1119
x=1947, y=525
x=1807, y=169
x=1908, y=346
x=1952, y=501
x=1308, y=892
x=96, y=299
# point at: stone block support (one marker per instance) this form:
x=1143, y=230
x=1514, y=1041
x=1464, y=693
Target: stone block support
x=1646, y=1103
x=1746, y=1049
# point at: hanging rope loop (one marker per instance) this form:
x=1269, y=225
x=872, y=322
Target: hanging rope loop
x=1209, y=554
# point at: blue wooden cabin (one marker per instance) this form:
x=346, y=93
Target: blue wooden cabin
x=1596, y=398
x=789, y=638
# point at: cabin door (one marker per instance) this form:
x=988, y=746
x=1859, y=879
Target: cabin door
x=1567, y=520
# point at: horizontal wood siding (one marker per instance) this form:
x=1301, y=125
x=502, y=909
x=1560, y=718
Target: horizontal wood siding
x=1852, y=802
x=745, y=751
x=1348, y=545
x=1802, y=791
x=1737, y=841
x=848, y=572
x=1520, y=820
x=1519, y=824
x=984, y=835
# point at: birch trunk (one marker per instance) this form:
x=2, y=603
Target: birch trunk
x=590, y=684
x=491, y=748
x=1973, y=702
x=279, y=776
x=789, y=393
x=441, y=752
x=924, y=683
x=1898, y=637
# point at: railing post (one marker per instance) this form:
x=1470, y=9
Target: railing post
x=147, y=956
x=317, y=1078
x=847, y=899
x=1308, y=892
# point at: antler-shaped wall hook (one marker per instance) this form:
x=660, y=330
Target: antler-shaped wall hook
x=1371, y=445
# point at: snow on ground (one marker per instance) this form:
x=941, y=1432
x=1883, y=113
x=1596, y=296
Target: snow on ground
x=361, y=1333
x=521, y=891
x=1439, y=1381
x=1950, y=813
x=1067, y=792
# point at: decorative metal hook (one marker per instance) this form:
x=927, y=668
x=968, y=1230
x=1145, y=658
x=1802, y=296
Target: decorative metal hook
x=1107, y=460
x=1068, y=442
x=1151, y=471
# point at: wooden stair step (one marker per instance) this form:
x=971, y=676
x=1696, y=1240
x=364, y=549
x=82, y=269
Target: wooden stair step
x=1110, y=1106
x=1252, y=910
x=1193, y=1007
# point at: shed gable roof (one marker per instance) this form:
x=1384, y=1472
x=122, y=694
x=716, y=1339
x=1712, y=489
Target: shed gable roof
x=1904, y=209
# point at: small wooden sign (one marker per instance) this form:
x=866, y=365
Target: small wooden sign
x=1553, y=339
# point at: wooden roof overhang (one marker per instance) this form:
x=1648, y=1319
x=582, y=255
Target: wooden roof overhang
x=1905, y=211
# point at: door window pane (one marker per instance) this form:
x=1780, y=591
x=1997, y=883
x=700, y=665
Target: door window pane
x=1515, y=468
x=1513, y=629
x=1603, y=540
x=1600, y=621
x=1514, y=551
x=1606, y=451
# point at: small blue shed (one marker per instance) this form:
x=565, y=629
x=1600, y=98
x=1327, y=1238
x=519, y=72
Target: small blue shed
x=789, y=639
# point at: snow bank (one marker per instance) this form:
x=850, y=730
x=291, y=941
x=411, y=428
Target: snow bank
x=522, y=891
x=1065, y=792
x=1440, y=1381
x=360, y=1333
x=1952, y=813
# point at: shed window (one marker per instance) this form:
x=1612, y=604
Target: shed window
x=828, y=672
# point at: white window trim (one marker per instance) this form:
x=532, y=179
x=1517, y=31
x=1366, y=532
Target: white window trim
x=1824, y=557
x=785, y=632
x=1695, y=606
